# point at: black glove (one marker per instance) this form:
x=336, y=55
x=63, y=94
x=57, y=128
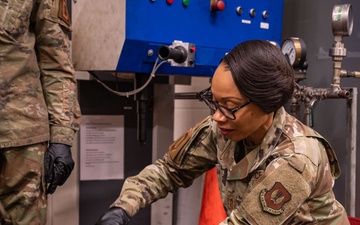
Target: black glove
x=58, y=165
x=114, y=216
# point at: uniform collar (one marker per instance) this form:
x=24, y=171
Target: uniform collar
x=259, y=155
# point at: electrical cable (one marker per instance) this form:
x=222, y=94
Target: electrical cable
x=133, y=92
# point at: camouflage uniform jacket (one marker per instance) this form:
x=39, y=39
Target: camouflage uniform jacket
x=287, y=179
x=38, y=99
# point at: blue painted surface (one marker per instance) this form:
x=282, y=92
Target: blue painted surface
x=150, y=24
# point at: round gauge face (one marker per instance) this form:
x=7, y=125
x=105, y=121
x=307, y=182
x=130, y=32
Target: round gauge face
x=294, y=48
x=289, y=50
x=342, y=20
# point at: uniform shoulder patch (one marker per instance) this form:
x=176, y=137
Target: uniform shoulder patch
x=175, y=147
x=63, y=12
x=273, y=200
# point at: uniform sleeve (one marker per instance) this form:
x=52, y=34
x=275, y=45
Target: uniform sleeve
x=52, y=26
x=188, y=157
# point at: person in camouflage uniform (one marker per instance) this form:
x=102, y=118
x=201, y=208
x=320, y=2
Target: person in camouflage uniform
x=272, y=169
x=39, y=111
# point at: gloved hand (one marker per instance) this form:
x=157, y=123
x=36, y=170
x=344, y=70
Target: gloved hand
x=58, y=165
x=114, y=216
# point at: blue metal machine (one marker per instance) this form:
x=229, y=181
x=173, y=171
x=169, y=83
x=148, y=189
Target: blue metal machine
x=207, y=28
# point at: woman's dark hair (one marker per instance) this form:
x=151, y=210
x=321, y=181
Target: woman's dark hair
x=262, y=73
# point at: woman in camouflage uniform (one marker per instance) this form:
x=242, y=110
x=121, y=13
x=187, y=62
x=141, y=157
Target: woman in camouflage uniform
x=272, y=169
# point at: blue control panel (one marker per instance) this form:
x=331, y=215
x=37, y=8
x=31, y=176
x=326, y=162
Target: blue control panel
x=213, y=27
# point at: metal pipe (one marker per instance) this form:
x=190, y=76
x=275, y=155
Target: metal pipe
x=337, y=52
x=334, y=92
x=142, y=107
x=295, y=108
x=346, y=73
x=307, y=114
x=350, y=175
x=187, y=95
x=310, y=95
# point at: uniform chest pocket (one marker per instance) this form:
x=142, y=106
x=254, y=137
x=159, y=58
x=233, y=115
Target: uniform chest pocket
x=15, y=16
x=232, y=188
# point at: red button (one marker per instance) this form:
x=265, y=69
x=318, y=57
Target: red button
x=170, y=1
x=218, y=6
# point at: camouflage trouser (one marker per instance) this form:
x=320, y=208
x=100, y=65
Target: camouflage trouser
x=22, y=186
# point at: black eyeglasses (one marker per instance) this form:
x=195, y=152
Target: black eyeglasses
x=206, y=96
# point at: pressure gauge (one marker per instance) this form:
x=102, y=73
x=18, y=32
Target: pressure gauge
x=294, y=48
x=342, y=20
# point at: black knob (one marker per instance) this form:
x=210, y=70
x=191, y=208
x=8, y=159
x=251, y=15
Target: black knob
x=178, y=54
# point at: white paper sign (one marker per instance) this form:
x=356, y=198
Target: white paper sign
x=102, y=147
